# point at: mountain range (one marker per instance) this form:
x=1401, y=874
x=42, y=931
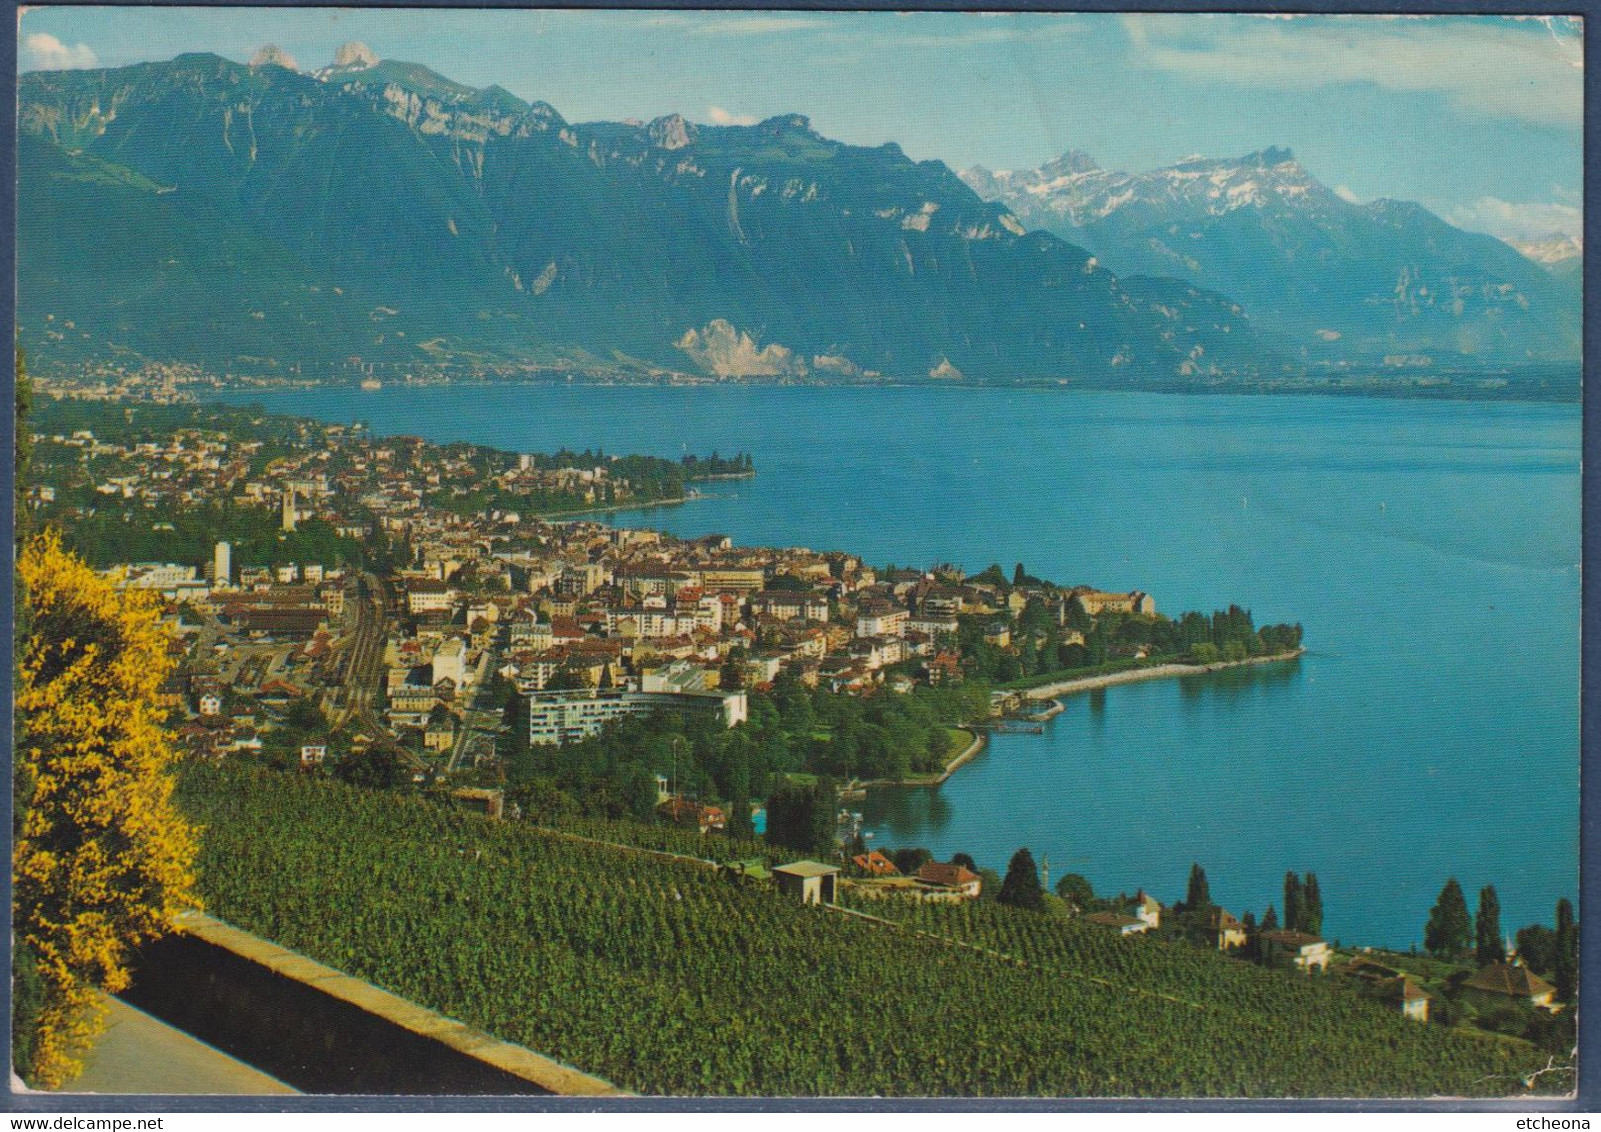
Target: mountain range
x=1332, y=277
x=254, y=215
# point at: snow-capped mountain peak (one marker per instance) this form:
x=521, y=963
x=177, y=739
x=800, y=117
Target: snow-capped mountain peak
x=1383, y=277
x=1558, y=247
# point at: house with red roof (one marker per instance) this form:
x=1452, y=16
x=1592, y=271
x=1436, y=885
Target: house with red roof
x=947, y=876
x=875, y=864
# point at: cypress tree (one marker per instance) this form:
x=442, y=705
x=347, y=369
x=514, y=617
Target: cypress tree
x=1487, y=928
x=789, y=818
x=1021, y=888
x=1270, y=920
x=1199, y=893
x=824, y=825
x=1294, y=905
x=1312, y=905
x=1566, y=973
x=1450, y=929
x=740, y=824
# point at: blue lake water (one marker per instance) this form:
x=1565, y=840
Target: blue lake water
x=1430, y=549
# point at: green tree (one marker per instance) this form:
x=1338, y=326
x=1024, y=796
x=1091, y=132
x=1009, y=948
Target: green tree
x=965, y=861
x=1566, y=965
x=1021, y=888
x=825, y=817
x=1270, y=919
x=740, y=825
x=910, y=859
x=377, y=767
x=1294, y=904
x=1312, y=905
x=1075, y=888
x=1488, y=947
x=1198, y=894
x=1537, y=947
x=794, y=821
x=732, y=675
x=639, y=791
x=1449, y=931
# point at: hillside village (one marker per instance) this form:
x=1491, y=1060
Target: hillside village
x=366, y=586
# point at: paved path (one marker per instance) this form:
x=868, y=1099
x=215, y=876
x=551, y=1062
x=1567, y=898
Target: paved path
x=139, y=1054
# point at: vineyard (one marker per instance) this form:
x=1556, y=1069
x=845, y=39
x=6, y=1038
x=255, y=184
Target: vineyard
x=669, y=839
x=667, y=979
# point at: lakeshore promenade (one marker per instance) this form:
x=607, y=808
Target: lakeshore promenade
x=1155, y=672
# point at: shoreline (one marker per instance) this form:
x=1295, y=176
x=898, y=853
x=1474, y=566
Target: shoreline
x=610, y=507
x=1065, y=688
x=967, y=755
x=1090, y=683
x=618, y=507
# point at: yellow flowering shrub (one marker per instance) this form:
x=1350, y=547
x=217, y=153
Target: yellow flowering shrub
x=102, y=859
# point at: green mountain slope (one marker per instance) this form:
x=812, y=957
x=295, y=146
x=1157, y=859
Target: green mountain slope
x=493, y=226
x=110, y=262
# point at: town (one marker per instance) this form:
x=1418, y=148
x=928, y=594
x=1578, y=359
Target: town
x=456, y=620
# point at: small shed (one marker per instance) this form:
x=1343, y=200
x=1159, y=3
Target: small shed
x=812, y=881
x=1401, y=993
x=490, y=803
x=1116, y=921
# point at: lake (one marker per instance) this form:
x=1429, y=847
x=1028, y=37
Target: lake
x=1430, y=549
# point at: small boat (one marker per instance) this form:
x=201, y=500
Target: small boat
x=371, y=384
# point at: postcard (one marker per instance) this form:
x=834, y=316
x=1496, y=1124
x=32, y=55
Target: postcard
x=793, y=554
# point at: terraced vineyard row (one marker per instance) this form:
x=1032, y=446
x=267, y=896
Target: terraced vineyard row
x=1157, y=966
x=666, y=979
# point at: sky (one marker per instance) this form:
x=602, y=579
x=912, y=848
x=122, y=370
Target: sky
x=1478, y=118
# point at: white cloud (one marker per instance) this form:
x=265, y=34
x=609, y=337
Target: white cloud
x=1524, y=69
x=757, y=25
x=717, y=116
x=1527, y=221
x=49, y=54
x=1344, y=193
